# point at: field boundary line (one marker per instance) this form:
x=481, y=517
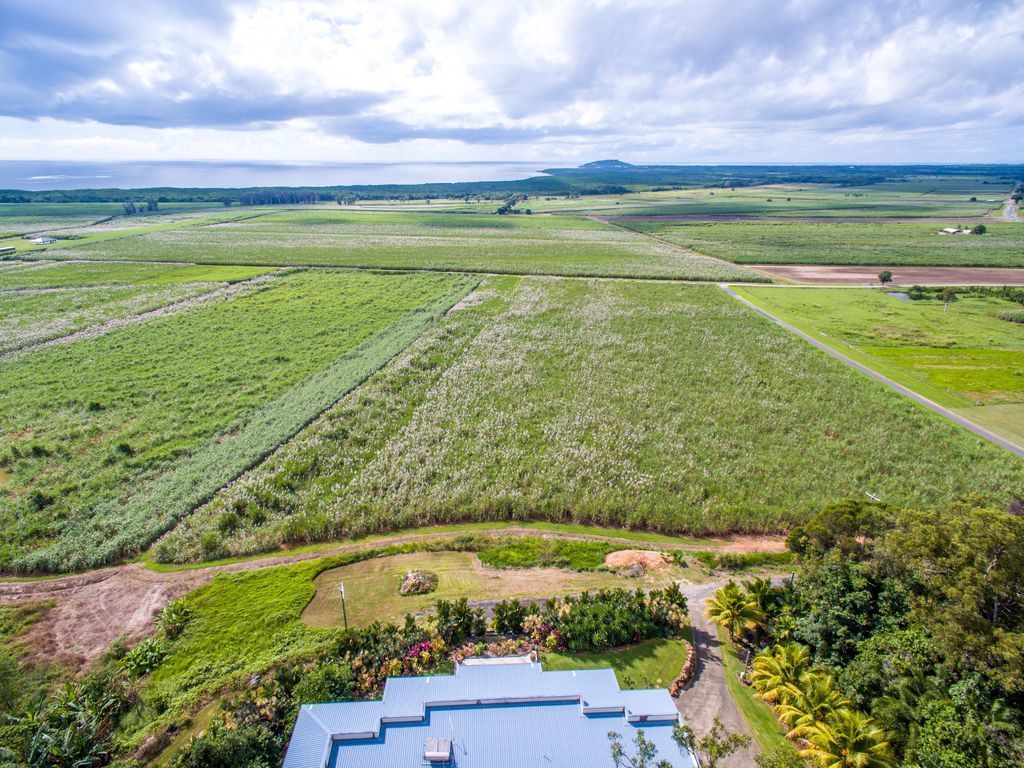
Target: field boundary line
x=437, y=270
x=918, y=398
x=230, y=290
x=683, y=248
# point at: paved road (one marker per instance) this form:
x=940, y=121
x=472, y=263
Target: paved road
x=941, y=410
x=707, y=697
x=1010, y=212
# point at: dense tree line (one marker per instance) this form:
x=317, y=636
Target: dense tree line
x=592, y=179
x=901, y=638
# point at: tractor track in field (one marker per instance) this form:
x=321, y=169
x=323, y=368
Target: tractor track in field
x=91, y=610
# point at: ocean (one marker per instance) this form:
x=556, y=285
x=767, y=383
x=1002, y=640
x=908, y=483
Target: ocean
x=37, y=176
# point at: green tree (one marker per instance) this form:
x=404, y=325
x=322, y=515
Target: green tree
x=811, y=700
x=885, y=277
x=849, y=739
x=713, y=746
x=736, y=610
x=965, y=565
x=645, y=755
x=775, y=669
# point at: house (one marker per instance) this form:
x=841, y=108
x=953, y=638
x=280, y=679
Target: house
x=44, y=240
x=954, y=231
x=506, y=713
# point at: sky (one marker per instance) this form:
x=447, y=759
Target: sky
x=689, y=81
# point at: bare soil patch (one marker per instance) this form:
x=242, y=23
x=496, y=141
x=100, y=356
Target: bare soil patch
x=627, y=557
x=839, y=275
x=93, y=609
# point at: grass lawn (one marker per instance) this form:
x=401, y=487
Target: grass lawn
x=559, y=245
x=1006, y=419
x=103, y=457
x=874, y=243
x=371, y=586
x=245, y=623
x=960, y=356
x=766, y=729
x=528, y=403
x=616, y=536
x=650, y=664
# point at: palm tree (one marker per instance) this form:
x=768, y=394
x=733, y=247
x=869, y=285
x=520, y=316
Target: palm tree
x=849, y=739
x=773, y=670
x=814, y=699
x=736, y=610
x=763, y=591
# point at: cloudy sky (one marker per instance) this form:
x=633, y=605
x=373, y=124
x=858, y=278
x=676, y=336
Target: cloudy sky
x=390, y=80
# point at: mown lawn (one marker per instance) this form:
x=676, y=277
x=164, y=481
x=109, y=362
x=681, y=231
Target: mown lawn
x=650, y=664
x=371, y=586
x=961, y=355
x=109, y=440
x=646, y=405
x=245, y=623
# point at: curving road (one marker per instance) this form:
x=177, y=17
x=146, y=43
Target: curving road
x=1010, y=213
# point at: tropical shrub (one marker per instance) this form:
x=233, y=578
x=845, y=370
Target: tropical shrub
x=174, y=618
x=456, y=622
x=509, y=616
x=736, y=610
x=144, y=657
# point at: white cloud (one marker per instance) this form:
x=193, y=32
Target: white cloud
x=804, y=80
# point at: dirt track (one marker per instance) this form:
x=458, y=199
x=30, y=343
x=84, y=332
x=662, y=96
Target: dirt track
x=93, y=609
x=837, y=275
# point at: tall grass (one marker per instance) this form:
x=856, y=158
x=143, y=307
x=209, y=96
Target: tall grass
x=110, y=441
x=654, y=406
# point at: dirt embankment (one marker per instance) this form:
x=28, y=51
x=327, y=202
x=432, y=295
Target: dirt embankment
x=93, y=609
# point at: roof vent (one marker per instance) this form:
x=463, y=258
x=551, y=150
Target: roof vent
x=438, y=750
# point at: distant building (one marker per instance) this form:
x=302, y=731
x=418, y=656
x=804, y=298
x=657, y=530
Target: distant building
x=954, y=231
x=489, y=714
x=44, y=240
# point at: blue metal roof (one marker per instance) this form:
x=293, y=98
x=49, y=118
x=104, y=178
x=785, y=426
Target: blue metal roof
x=496, y=715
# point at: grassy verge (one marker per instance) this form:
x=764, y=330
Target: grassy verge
x=758, y=715
x=961, y=356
